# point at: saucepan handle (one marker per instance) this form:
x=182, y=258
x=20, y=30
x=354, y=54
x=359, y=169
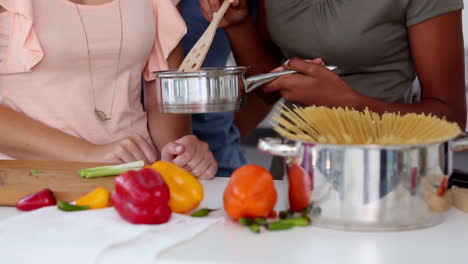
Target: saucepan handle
x=256, y=81
x=460, y=143
x=279, y=147
x=458, y=177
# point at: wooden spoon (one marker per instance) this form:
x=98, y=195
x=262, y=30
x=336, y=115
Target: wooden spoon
x=195, y=58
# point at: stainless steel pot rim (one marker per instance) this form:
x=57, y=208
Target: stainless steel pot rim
x=203, y=72
x=365, y=146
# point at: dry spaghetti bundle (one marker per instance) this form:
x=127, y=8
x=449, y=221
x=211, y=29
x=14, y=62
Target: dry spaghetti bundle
x=349, y=126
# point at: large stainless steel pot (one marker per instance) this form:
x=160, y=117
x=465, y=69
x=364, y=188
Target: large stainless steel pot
x=208, y=90
x=371, y=187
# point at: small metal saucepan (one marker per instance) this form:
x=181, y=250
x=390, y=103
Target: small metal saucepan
x=208, y=90
x=372, y=187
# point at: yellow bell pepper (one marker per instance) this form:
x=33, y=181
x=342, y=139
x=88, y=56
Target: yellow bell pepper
x=98, y=198
x=186, y=191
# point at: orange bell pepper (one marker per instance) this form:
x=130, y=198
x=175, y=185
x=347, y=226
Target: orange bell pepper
x=250, y=193
x=185, y=189
x=98, y=198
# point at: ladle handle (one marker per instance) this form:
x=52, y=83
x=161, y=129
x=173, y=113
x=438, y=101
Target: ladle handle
x=256, y=81
x=195, y=58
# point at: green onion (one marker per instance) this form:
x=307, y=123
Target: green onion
x=110, y=170
x=32, y=172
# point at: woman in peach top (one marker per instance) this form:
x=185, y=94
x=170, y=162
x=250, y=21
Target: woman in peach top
x=70, y=83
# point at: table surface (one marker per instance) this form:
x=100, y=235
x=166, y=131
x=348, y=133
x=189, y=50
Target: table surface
x=228, y=242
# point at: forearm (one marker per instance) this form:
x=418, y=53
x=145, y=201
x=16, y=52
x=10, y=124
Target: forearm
x=251, y=114
x=165, y=128
x=22, y=137
x=251, y=50
x=427, y=106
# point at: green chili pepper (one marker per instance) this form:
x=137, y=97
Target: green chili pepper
x=279, y=225
x=316, y=211
x=297, y=221
x=254, y=228
x=283, y=215
x=260, y=221
x=246, y=221
x=64, y=206
x=203, y=212
x=307, y=210
x=307, y=217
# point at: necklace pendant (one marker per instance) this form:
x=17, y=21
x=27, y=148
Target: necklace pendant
x=101, y=115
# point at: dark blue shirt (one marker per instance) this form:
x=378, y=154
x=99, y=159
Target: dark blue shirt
x=217, y=129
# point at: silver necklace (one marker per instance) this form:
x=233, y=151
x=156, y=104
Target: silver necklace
x=101, y=115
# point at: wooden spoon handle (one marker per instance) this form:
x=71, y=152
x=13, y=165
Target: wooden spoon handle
x=195, y=58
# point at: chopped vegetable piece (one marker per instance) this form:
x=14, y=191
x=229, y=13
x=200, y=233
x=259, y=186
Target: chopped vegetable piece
x=283, y=215
x=308, y=209
x=186, y=190
x=260, y=221
x=64, y=206
x=299, y=188
x=297, y=221
x=36, y=200
x=250, y=193
x=142, y=197
x=111, y=170
x=32, y=172
x=279, y=225
x=98, y=198
x=245, y=221
x=203, y=212
x=254, y=228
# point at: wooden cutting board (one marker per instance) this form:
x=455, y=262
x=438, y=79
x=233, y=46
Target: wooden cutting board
x=60, y=177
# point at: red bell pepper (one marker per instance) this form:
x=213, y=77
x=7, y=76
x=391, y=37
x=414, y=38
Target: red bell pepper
x=36, y=200
x=142, y=197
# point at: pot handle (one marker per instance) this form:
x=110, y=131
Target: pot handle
x=278, y=147
x=460, y=143
x=256, y=81
x=458, y=178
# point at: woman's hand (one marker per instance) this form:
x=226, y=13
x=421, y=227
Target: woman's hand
x=126, y=150
x=236, y=14
x=314, y=84
x=193, y=155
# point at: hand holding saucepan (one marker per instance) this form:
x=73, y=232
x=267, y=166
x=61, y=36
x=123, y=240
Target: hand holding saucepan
x=313, y=84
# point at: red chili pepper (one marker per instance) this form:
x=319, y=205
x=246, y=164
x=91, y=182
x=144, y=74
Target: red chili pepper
x=443, y=187
x=36, y=200
x=142, y=197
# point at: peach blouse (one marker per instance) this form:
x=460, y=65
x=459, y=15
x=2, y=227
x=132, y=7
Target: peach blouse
x=44, y=70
